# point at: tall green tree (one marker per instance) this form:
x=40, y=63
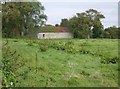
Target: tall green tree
x=86, y=24
x=64, y=22
x=18, y=17
x=96, y=25
x=111, y=32
x=79, y=26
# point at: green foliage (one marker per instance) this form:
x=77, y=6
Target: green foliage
x=97, y=29
x=64, y=22
x=69, y=47
x=29, y=42
x=65, y=46
x=86, y=24
x=107, y=60
x=66, y=68
x=111, y=32
x=43, y=45
x=11, y=61
x=19, y=18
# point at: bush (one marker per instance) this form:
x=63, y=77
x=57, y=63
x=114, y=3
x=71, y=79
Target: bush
x=69, y=47
x=65, y=46
x=57, y=45
x=29, y=42
x=43, y=46
x=84, y=44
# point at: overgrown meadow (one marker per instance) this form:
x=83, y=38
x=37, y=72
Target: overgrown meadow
x=60, y=63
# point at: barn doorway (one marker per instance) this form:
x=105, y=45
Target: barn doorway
x=43, y=35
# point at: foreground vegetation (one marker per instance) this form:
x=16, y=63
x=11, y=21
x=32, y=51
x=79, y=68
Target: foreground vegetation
x=60, y=63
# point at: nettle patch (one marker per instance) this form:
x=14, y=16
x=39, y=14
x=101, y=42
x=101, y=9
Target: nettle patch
x=64, y=46
x=70, y=47
x=67, y=46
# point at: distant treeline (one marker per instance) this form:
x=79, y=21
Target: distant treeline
x=88, y=25
x=27, y=19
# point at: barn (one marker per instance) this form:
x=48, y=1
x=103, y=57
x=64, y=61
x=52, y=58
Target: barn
x=61, y=32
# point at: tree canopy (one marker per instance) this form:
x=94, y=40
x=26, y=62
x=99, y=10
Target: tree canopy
x=18, y=17
x=64, y=22
x=111, y=32
x=86, y=24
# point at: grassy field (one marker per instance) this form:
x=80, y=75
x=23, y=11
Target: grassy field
x=66, y=62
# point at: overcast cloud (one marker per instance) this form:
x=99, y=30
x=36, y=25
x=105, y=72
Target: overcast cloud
x=58, y=10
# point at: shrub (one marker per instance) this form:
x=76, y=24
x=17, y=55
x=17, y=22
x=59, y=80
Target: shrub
x=57, y=45
x=29, y=42
x=43, y=46
x=84, y=43
x=64, y=46
x=69, y=47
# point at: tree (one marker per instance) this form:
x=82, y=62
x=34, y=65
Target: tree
x=96, y=25
x=86, y=24
x=64, y=22
x=21, y=17
x=56, y=25
x=111, y=32
x=97, y=29
x=79, y=26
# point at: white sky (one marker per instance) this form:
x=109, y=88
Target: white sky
x=59, y=9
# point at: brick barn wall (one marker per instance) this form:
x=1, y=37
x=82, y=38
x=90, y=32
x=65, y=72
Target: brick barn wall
x=54, y=35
